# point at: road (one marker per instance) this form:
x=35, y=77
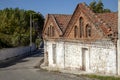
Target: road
x=24, y=70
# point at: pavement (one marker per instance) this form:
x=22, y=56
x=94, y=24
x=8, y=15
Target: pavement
x=25, y=69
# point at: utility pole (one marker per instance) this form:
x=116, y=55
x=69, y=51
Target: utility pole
x=30, y=29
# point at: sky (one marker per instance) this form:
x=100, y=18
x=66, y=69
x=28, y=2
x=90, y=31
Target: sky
x=53, y=6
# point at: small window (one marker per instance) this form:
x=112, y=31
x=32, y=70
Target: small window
x=81, y=27
x=53, y=32
x=48, y=32
x=75, y=31
x=88, y=31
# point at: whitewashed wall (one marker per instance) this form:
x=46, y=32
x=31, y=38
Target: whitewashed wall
x=102, y=59
x=73, y=56
x=60, y=54
x=11, y=52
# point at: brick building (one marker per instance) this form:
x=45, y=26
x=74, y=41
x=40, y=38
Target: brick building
x=82, y=41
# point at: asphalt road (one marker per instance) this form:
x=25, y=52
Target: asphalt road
x=24, y=70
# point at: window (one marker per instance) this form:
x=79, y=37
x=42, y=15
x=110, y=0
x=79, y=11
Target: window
x=48, y=32
x=75, y=31
x=81, y=27
x=88, y=31
x=51, y=31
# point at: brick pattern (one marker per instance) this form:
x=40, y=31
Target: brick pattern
x=46, y=30
x=103, y=25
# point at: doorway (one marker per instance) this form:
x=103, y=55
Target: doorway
x=85, y=59
x=54, y=53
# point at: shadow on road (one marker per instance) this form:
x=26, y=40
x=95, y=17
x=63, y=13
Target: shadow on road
x=19, y=59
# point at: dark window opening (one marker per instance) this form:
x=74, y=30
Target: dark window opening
x=88, y=31
x=51, y=31
x=81, y=27
x=48, y=32
x=75, y=31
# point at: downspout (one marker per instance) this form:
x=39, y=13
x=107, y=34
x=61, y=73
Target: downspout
x=118, y=42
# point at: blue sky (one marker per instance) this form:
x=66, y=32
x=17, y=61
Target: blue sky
x=53, y=6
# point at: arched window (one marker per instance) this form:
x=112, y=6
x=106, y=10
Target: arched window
x=81, y=27
x=48, y=32
x=53, y=33
x=75, y=31
x=88, y=31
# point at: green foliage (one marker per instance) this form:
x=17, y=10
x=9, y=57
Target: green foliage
x=38, y=40
x=102, y=77
x=98, y=7
x=15, y=27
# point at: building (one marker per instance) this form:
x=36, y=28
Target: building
x=82, y=41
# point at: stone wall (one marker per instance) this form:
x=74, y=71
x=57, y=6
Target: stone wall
x=73, y=56
x=93, y=57
x=12, y=52
x=103, y=60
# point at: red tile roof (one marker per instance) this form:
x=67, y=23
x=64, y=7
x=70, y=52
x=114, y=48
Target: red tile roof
x=107, y=20
x=62, y=20
x=111, y=19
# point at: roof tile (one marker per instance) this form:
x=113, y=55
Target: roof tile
x=62, y=20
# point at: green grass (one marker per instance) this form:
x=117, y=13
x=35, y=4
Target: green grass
x=102, y=77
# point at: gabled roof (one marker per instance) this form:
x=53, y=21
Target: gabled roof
x=102, y=21
x=111, y=19
x=50, y=16
x=62, y=20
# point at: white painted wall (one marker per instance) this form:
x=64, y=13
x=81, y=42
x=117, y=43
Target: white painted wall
x=102, y=59
x=50, y=55
x=73, y=56
x=60, y=54
x=11, y=52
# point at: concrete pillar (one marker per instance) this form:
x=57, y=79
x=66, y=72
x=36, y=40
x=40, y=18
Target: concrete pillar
x=118, y=42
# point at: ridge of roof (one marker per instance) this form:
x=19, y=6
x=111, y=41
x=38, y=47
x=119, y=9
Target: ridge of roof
x=57, y=24
x=104, y=20
x=98, y=19
x=62, y=14
x=62, y=20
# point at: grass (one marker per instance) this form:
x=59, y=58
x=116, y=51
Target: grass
x=102, y=77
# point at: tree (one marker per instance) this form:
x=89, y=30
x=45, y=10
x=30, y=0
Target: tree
x=98, y=7
x=92, y=6
x=15, y=27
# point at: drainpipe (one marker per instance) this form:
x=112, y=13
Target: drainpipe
x=118, y=41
